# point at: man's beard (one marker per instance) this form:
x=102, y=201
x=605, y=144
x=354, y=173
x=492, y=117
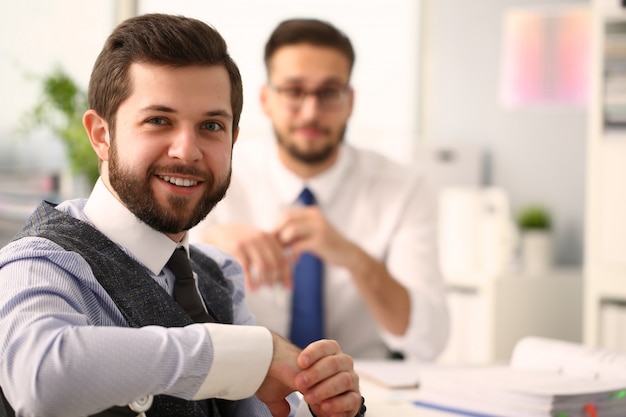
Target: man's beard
x=310, y=157
x=135, y=192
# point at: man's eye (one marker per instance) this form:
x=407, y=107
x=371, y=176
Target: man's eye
x=293, y=92
x=212, y=126
x=157, y=121
x=328, y=93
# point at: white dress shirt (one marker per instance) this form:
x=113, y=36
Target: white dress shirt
x=66, y=350
x=383, y=207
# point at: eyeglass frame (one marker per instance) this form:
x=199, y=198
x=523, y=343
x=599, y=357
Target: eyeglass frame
x=343, y=92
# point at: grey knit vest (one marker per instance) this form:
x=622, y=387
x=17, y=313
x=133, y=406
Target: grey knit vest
x=137, y=295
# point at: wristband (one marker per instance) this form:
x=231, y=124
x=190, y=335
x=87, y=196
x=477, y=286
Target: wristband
x=362, y=410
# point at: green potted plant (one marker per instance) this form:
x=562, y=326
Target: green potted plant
x=61, y=107
x=534, y=217
x=535, y=226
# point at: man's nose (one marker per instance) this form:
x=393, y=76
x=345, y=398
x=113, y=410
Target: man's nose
x=185, y=145
x=310, y=106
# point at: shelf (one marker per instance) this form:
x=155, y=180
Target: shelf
x=614, y=16
x=617, y=134
x=605, y=233
x=609, y=288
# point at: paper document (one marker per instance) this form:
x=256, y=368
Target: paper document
x=391, y=373
x=545, y=378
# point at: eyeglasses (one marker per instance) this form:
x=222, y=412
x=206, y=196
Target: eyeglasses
x=328, y=98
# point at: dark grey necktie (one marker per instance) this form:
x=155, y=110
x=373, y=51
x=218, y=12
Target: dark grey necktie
x=185, y=291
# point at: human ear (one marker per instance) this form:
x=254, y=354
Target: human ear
x=263, y=99
x=351, y=100
x=98, y=132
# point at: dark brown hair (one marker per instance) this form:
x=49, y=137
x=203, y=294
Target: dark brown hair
x=312, y=31
x=160, y=39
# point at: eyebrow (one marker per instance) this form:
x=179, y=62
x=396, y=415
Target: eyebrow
x=166, y=109
x=326, y=81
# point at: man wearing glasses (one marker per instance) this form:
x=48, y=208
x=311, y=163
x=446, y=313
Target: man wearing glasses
x=335, y=242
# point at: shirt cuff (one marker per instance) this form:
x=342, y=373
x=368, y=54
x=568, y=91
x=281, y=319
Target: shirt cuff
x=241, y=359
x=303, y=410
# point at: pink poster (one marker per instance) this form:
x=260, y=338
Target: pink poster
x=546, y=56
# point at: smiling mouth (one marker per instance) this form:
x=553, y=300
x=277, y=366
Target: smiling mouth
x=180, y=182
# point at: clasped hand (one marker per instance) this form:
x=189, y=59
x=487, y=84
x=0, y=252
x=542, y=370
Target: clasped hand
x=267, y=257
x=321, y=372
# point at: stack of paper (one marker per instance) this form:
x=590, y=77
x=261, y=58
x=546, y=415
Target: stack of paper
x=545, y=378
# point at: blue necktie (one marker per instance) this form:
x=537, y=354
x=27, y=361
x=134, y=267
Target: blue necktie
x=307, y=323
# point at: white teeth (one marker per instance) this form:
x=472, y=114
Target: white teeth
x=181, y=182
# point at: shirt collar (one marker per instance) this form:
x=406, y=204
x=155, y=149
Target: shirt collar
x=148, y=246
x=323, y=186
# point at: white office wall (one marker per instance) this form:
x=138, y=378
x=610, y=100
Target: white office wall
x=385, y=35
x=536, y=154
x=36, y=35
